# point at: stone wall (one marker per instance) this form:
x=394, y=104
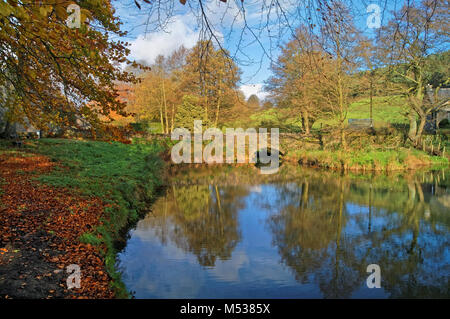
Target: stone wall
x=437, y=117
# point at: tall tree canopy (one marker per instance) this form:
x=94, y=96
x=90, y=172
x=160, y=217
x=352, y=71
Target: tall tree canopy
x=213, y=76
x=49, y=71
x=314, y=70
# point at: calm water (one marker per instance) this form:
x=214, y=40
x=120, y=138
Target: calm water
x=231, y=233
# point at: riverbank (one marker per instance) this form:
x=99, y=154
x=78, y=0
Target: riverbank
x=366, y=160
x=71, y=202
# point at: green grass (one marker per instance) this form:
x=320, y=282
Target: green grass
x=385, y=110
x=126, y=177
x=375, y=159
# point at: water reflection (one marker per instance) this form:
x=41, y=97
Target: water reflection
x=302, y=233
x=198, y=219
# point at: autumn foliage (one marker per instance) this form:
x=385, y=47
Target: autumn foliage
x=49, y=71
x=41, y=226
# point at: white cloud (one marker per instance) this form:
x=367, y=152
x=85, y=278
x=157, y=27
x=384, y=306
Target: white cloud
x=257, y=89
x=148, y=47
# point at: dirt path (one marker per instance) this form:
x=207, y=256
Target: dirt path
x=39, y=235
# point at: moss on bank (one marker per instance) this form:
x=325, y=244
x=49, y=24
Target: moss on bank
x=371, y=160
x=125, y=177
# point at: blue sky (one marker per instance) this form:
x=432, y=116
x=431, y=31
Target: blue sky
x=256, y=50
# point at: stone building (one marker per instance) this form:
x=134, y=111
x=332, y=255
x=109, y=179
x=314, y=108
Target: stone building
x=441, y=114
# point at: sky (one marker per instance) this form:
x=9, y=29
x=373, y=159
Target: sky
x=254, y=53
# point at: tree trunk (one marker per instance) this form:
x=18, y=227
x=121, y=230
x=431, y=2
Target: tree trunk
x=8, y=131
x=343, y=139
x=161, y=117
x=416, y=105
x=423, y=121
x=412, y=127
x=342, y=100
x=217, y=112
x=206, y=109
x=219, y=94
x=306, y=125
x=3, y=134
x=172, y=119
x=165, y=107
x=371, y=99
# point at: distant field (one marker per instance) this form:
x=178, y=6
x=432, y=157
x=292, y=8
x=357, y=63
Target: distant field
x=385, y=110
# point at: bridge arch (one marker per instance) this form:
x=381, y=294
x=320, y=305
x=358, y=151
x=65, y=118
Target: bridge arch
x=256, y=155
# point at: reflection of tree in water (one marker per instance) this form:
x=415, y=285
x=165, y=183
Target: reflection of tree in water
x=308, y=232
x=200, y=219
x=323, y=242
x=413, y=262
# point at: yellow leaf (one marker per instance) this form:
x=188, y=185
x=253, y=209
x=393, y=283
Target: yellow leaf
x=45, y=10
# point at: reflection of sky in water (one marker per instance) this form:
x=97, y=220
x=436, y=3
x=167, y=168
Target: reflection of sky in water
x=254, y=270
x=257, y=270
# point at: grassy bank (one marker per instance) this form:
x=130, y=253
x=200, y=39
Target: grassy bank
x=385, y=110
x=373, y=160
x=125, y=177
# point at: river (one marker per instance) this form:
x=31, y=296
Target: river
x=231, y=233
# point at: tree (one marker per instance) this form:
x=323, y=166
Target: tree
x=253, y=102
x=189, y=111
x=126, y=95
x=415, y=32
x=339, y=37
x=51, y=70
x=203, y=77
x=372, y=78
x=147, y=105
x=161, y=71
x=293, y=80
x=176, y=63
x=313, y=73
x=267, y=105
x=160, y=91
x=212, y=75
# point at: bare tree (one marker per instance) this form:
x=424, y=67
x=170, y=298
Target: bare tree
x=417, y=30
